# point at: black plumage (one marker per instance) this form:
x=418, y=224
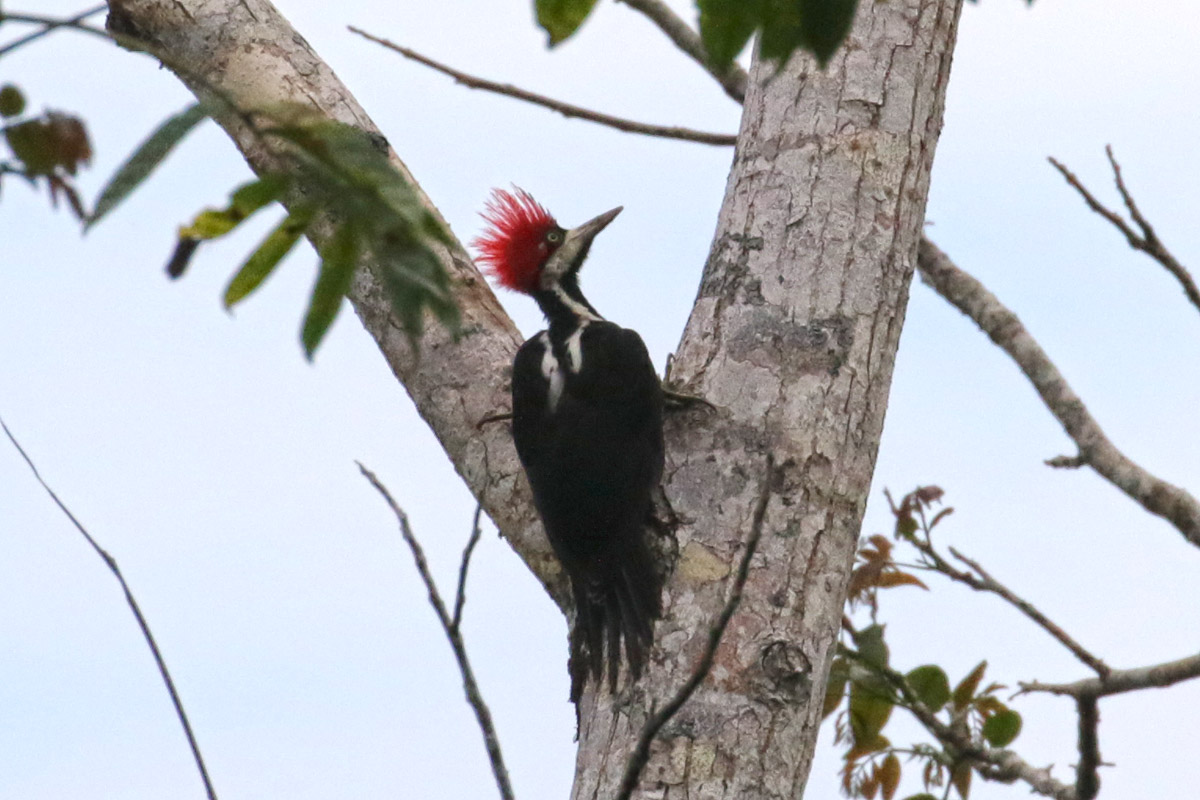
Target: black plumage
x=593, y=451
x=587, y=422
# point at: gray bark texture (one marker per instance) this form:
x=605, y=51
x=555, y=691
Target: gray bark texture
x=793, y=338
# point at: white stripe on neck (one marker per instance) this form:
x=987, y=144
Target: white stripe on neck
x=577, y=308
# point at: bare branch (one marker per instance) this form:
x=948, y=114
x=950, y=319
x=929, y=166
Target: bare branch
x=1005, y=329
x=137, y=613
x=1087, y=779
x=460, y=596
x=641, y=751
x=48, y=26
x=1119, y=681
x=732, y=78
x=474, y=697
x=566, y=109
x=1147, y=241
x=986, y=583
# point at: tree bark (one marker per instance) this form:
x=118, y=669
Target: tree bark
x=793, y=337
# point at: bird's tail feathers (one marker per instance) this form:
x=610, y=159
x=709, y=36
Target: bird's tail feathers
x=619, y=610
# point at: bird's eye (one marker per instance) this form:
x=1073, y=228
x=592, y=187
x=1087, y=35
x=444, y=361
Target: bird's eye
x=554, y=237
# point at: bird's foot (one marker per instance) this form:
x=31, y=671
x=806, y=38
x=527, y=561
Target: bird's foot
x=678, y=401
x=490, y=418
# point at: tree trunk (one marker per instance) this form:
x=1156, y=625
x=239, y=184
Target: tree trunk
x=793, y=337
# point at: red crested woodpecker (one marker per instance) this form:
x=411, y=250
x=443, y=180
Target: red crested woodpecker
x=587, y=423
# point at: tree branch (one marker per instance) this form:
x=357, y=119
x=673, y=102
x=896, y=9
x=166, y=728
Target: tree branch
x=249, y=54
x=49, y=26
x=1002, y=766
x=1087, y=778
x=1148, y=241
x=1005, y=329
x=137, y=613
x=1119, y=681
x=987, y=583
x=641, y=751
x=490, y=740
x=981, y=581
x=732, y=78
x=566, y=109
x=460, y=596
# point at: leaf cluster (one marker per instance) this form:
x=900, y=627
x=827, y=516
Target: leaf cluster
x=815, y=26
x=364, y=207
x=864, y=689
x=49, y=148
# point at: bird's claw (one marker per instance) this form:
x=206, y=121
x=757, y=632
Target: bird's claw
x=678, y=401
x=489, y=418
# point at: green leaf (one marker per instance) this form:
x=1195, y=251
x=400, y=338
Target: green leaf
x=835, y=687
x=921, y=796
x=1002, y=728
x=211, y=223
x=870, y=708
x=871, y=646
x=262, y=262
x=145, y=159
x=964, y=693
x=33, y=144
x=931, y=686
x=12, y=102
x=339, y=257
x=783, y=28
x=824, y=26
x=252, y=196
x=561, y=18
x=726, y=26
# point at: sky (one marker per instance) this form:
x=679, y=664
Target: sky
x=218, y=466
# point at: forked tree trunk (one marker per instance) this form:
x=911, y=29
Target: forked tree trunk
x=793, y=336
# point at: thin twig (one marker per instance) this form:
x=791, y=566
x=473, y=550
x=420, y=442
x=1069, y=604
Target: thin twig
x=1119, y=681
x=984, y=582
x=474, y=697
x=49, y=27
x=641, y=751
x=732, y=78
x=137, y=613
x=1005, y=329
x=50, y=24
x=460, y=596
x=1087, y=778
x=1147, y=241
x=566, y=109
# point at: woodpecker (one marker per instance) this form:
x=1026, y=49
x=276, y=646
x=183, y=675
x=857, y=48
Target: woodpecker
x=587, y=420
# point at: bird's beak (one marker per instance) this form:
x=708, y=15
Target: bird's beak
x=588, y=230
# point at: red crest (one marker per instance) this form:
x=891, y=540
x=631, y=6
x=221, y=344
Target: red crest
x=513, y=248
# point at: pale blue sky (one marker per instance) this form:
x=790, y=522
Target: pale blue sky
x=217, y=465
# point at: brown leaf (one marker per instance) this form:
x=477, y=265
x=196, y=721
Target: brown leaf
x=889, y=776
x=927, y=495
x=893, y=578
x=960, y=777
x=965, y=691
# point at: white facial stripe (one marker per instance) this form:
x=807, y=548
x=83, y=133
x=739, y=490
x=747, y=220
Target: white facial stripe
x=551, y=372
x=578, y=309
x=575, y=349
